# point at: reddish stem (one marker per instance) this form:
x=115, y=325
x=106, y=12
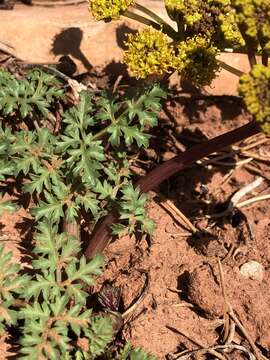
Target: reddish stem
x=102, y=232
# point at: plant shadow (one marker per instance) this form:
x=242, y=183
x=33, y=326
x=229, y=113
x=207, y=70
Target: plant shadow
x=68, y=43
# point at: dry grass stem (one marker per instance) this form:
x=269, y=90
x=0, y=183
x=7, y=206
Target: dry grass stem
x=234, y=201
x=227, y=347
x=130, y=310
x=7, y=48
x=253, y=200
x=251, y=145
x=257, y=354
x=233, y=316
x=184, y=304
x=116, y=83
x=177, y=214
x=255, y=170
x=196, y=342
x=244, y=191
x=231, y=333
x=255, y=156
x=226, y=319
x=179, y=146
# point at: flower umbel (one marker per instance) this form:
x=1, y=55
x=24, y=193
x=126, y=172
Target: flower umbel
x=108, y=9
x=196, y=60
x=149, y=53
x=255, y=88
x=253, y=18
x=230, y=30
x=189, y=9
x=211, y=18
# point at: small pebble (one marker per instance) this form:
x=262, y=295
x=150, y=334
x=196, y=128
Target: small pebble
x=252, y=270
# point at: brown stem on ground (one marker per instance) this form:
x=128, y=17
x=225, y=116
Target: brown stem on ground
x=102, y=232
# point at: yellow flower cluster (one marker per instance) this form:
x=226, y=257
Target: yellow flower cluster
x=189, y=9
x=255, y=89
x=196, y=60
x=108, y=9
x=149, y=53
x=214, y=18
x=230, y=29
x=253, y=18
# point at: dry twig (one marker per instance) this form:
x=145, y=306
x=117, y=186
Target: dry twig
x=234, y=201
x=217, y=347
x=233, y=316
x=197, y=342
x=140, y=298
x=253, y=200
x=176, y=213
x=226, y=320
x=57, y=3
x=7, y=48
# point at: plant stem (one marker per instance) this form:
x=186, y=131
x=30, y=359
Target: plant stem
x=100, y=134
x=102, y=232
x=131, y=15
x=156, y=18
x=72, y=228
x=264, y=58
x=250, y=47
x=150, y=13
x=251, y=58
x=230, y=68
x=197, y=152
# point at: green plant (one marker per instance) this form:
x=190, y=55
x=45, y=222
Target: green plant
x=202, y=30
x=70, y=172
x=209, y=26
x=78, y=173
x=31, y=96
x=129, y=352
x=54, y=311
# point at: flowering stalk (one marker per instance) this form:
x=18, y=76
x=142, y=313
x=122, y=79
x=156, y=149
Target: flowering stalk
x=101, y=235
x=205, y=27
x=255, y=89
x=169, y=30
x=143, y=20
x=253, y=20
x=230, y=68
x=194, y=18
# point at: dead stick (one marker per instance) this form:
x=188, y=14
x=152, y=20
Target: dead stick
x=197, y=342
x=245, y=333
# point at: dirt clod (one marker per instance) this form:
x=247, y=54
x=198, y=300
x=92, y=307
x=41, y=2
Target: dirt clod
x=205, y=293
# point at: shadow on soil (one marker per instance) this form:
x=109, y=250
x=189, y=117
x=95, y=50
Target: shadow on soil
x=68, y=42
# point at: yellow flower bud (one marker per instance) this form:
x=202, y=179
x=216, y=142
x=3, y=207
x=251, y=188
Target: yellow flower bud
x=253, y=18
x=189, y=9
x=255, y=89
x=149, y=53
x=108, y=9
x=196, y=60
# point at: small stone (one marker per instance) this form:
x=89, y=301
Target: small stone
x=252, y=270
